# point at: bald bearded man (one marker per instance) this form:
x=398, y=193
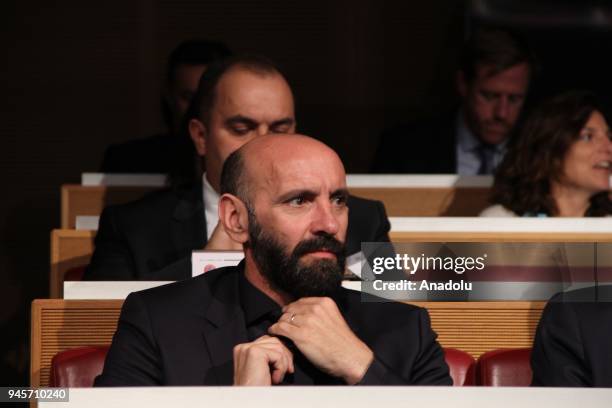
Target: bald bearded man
x=281, y=315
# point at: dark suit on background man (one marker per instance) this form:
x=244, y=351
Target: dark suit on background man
x=424, y=147
x=572, y=347
x=492, y=81
x=184, y=334
x=137, y=241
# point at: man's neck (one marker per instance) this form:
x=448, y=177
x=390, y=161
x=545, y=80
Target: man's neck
x=210, y=178
x=251, y=272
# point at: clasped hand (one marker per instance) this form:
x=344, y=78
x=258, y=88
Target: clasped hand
x=318, y=330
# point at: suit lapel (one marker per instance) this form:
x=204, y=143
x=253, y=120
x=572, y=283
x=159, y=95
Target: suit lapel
x=188, y=223
x=226, y=326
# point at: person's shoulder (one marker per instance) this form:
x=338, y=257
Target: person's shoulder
x=497, y=210
x=188, y=293
x=591, y=294
x=592, y=306
x=141, y=208
x=154, y=201
x=372, y=307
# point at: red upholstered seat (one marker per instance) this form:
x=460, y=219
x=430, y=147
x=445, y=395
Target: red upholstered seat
x=511, y=367
x=462, y=366
x=77, y=367
x=505, y=367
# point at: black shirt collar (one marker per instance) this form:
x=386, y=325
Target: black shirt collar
x=255, y=304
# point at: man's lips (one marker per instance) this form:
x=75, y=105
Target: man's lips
x=496, y=128
x=322, y=253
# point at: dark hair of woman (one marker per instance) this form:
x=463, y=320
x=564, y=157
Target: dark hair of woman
x=535, y=158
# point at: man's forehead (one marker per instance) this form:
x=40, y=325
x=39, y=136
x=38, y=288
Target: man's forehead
x=514, y=77
x=311, y=174
x=292, y=161
x=238, y=81
x=255, y=96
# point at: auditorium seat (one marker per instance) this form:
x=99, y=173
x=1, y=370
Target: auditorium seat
x=77, y=367
x=461, y=365
x=505, y=367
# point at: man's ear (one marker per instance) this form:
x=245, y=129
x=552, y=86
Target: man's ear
x=234, y=216
x=197, y=132
x=462, y=84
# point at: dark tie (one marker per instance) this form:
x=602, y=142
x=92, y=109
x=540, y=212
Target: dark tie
x=485, y=154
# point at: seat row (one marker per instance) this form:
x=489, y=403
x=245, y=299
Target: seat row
x=78, y=367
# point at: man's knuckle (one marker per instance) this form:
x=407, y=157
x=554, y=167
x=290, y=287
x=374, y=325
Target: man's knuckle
x=252, y=351
x=329, y=302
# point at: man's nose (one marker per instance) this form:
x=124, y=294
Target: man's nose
x=502, y=108
x=325, y=219
x=263, y=130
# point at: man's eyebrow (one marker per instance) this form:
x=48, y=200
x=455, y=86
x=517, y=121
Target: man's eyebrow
x=239, y=119
x=298, y=192
x=341, y=192
x=285, y=121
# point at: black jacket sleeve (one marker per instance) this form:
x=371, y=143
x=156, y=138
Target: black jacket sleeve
x=429, y=367
x=133, y=358
x=557, y=358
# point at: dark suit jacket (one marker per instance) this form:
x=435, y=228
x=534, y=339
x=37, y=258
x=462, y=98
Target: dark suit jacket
x=572, y=346
x=184, y=334
x=143, y=239
x=424, y=147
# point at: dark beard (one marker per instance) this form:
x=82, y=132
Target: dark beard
x=286, y=273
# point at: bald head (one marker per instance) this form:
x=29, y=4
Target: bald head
x=262, y=160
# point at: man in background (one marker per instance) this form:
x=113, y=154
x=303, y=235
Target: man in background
x=495, y=73
x=158, y=153
x=238, y=99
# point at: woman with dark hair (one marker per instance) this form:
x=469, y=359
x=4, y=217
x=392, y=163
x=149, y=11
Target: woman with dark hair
x=559, y=166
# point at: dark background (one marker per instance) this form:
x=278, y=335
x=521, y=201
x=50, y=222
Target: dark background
x=76, y=76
